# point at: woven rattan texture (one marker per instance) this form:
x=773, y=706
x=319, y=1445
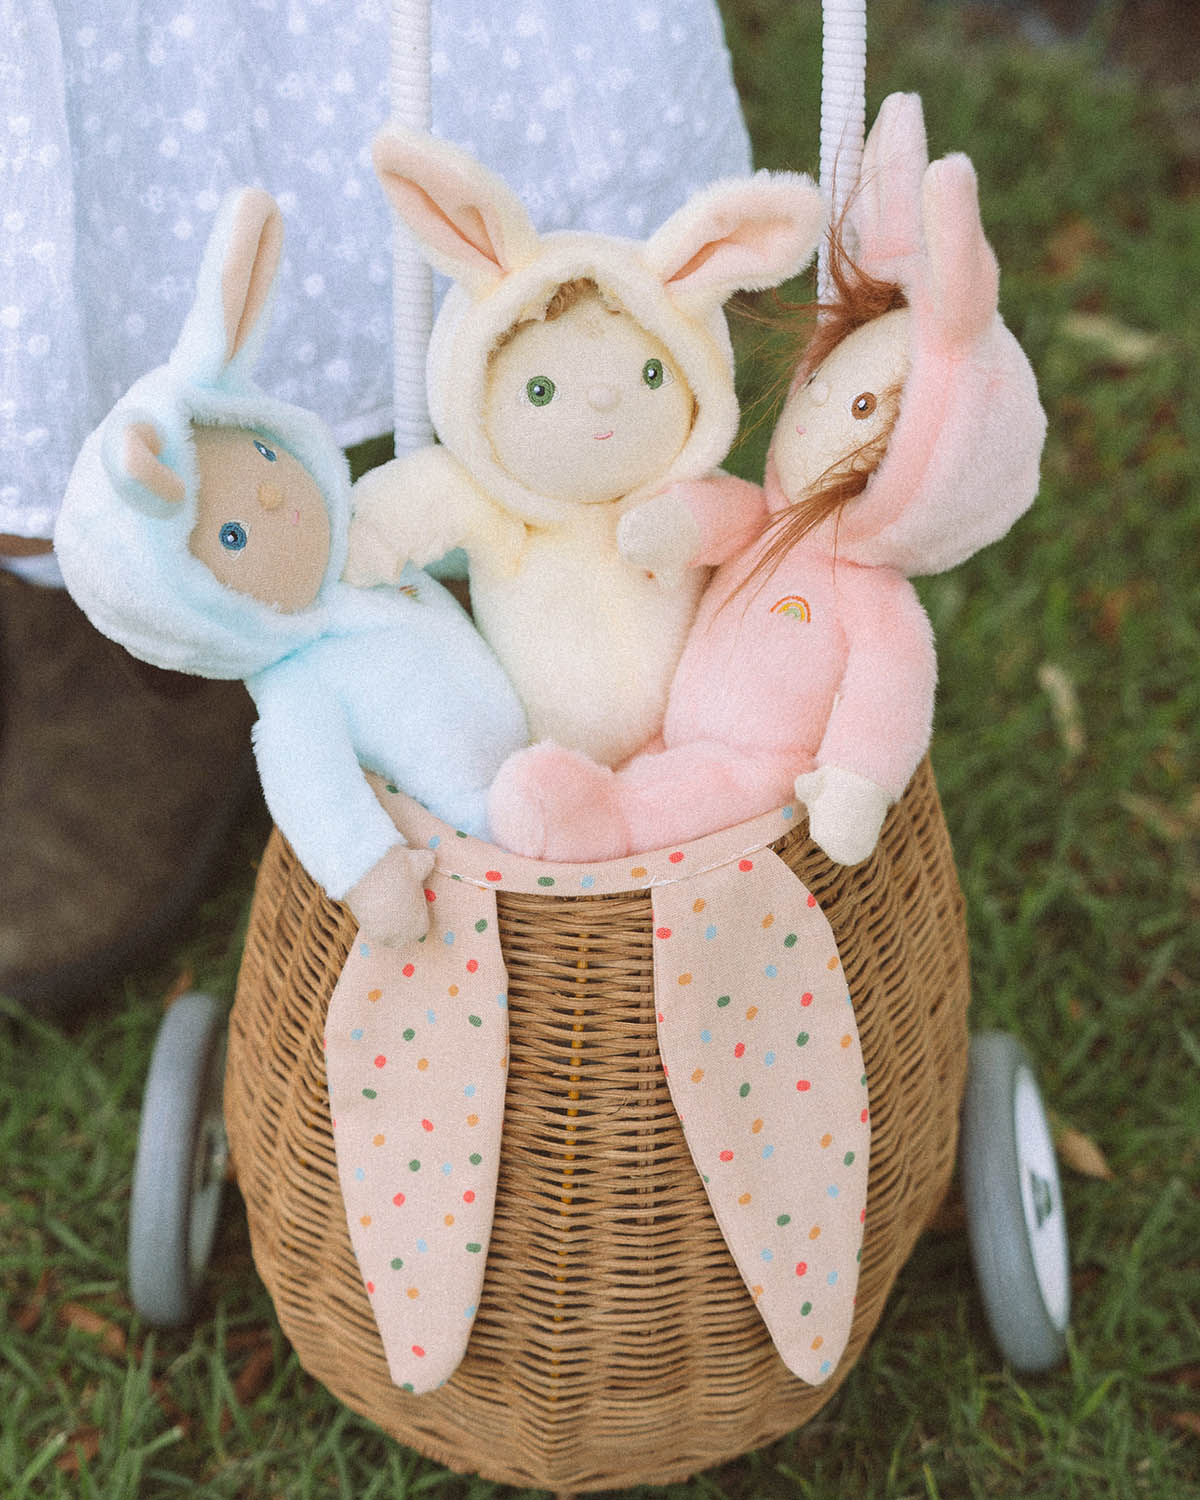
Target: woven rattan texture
x=615, y=1342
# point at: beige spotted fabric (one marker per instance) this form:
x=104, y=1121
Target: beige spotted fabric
x=758, y=1042
x=416, y=1043
x=757, y=1036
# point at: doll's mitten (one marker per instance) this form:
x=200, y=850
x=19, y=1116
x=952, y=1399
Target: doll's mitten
x=416, y=508
x=661, y=536
x=389, y=901
x=845, y=812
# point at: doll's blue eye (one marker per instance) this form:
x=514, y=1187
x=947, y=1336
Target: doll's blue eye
x=653, y=373
x=268, y=453
x=233, y=536
x=540, y=390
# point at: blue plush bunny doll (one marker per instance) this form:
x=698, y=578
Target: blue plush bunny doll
x=204, y=528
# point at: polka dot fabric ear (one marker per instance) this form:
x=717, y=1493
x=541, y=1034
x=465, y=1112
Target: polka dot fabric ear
x=759, y=1046
x=416, y=1044
x=758, y=1041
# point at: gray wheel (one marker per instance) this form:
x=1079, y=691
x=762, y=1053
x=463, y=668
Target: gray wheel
x=1015, y=1222
x=180, y=1164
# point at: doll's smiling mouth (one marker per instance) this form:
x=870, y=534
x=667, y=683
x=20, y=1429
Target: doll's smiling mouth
x=601, y=437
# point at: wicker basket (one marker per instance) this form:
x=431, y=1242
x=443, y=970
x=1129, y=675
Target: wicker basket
x=615, y=1342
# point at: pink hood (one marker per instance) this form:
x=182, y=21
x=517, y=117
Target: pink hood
x=962, y=461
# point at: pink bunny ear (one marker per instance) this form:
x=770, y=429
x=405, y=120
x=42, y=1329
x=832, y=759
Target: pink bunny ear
x=884, y=212
x=469, y=223
x=737, y=236
x=132, y=445
x=963, y=277
x=252, y=254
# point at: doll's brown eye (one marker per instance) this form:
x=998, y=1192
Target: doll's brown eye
x=863, y=405
x=540, y=390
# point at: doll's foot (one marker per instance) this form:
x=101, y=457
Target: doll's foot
x=551, y=803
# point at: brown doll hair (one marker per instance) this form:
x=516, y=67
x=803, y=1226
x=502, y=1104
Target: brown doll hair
x=564, y=297
x=858, y=299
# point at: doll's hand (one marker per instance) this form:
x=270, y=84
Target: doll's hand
x=389, y=901
x=661, y=536
x=370, y=557
x=845, y=812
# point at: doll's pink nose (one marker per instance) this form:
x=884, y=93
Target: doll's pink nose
x=603, y=397
x=270, y=496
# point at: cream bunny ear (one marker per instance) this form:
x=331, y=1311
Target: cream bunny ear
x=132, y=447
x=468, y=221
x=884, y=210
x=737, y=235
x=962, y=277
x=227, y=323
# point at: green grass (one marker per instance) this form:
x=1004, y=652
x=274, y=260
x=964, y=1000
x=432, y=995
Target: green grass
x=1076, y=838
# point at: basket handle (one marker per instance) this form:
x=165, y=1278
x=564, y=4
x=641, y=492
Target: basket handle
x=412, y=279
x=843, y=111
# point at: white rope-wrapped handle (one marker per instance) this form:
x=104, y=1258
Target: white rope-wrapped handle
x=412, y=279
x=843, y=111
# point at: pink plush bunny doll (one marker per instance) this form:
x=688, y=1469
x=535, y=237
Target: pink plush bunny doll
x=910, y=438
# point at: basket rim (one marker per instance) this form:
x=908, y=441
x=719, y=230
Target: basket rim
x=490, y=867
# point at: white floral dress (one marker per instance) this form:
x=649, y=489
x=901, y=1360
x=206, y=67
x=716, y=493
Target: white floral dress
x=122, y=125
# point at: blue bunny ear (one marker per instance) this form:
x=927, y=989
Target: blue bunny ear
x=225, y=328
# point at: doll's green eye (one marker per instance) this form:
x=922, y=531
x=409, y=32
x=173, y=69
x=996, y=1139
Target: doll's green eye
x=540, y=390
x=233, y=536
x=268, y=453
x=653, y=373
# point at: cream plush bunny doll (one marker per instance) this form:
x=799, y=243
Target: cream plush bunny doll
x=571, y=376
x=911, y=438
x=204, y=529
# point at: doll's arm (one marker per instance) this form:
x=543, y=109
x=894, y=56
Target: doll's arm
x=317, y=794
x=699, y=523
x=418, y=508
x=880, y=725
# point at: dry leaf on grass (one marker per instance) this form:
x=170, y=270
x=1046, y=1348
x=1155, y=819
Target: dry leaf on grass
x=1114, y=341
x=84, y=1443
x=1081, y=1154
x=88, y=1320
x=1064, y=707
x=27, y=1318
x=255, y=1376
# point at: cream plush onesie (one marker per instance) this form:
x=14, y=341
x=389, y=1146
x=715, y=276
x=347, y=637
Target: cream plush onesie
x=815, y=674
x=555, y=427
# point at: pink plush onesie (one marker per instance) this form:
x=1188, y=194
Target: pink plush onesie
x=826, y=662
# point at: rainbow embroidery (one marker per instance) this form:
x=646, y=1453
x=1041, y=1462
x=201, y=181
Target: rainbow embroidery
x=794, y=607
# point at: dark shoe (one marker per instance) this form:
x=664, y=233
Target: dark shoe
x=120, y=786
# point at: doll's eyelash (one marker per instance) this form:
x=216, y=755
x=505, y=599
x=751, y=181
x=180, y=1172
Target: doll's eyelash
x=268, y=453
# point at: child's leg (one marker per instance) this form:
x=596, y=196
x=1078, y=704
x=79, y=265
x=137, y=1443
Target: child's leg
x=551, y=803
